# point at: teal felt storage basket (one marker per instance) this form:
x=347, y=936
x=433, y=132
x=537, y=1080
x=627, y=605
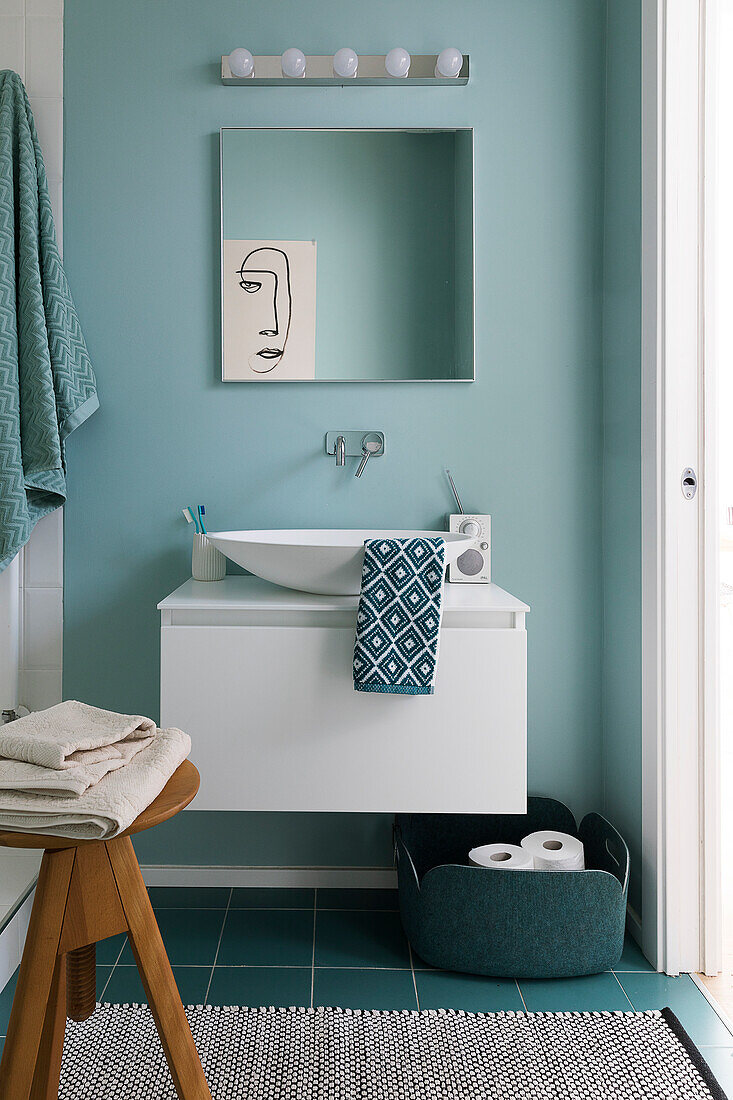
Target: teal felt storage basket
x=511, y=924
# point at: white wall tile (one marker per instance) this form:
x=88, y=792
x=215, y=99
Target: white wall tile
x=12, y=43
x=42, y=628
x=56, y=194
x=44, y=7
x=41, y=688
x=43, y=554
x=18, y=870
x=12, y=7
x=44, y=38
x=12, y=940
x=48, y=114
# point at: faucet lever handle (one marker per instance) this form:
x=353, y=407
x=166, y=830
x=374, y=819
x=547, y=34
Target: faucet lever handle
x=370, y=444
x=366, y=454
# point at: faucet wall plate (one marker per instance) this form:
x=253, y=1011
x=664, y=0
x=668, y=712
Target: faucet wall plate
x=356, y=442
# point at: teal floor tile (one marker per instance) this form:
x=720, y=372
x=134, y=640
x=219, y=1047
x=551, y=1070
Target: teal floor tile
x=359, y=938
x=6, y=1002
x=108, y=951
x=190, y=936
x=189, y=897
x=103, y=973
x=358, y=899
x=472, y=993
x=272, y=898
x=696, y=1015
x=720, y=1060
x=267, y=937
x=6, y=996
x=380, y=989
x=256, y=986
x=125, y=986
x=595, y=993
x=632, y=958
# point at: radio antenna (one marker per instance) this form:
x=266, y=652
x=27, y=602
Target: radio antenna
x=455, y=493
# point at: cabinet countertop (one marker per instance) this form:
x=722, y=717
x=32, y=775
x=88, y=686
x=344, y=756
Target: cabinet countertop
x=252, y=593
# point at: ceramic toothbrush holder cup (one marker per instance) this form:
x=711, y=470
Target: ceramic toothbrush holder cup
x=207, y=564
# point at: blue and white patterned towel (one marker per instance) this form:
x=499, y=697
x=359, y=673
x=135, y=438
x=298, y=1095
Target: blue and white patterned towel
x=398, y=622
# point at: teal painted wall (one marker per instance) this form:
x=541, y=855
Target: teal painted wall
x=621, y=693
x=143, y=106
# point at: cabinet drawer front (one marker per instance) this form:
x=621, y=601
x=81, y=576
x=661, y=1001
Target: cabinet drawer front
x=276, y=724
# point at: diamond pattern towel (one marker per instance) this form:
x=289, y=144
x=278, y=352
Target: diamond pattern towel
x=47, y=385
x=398, y=621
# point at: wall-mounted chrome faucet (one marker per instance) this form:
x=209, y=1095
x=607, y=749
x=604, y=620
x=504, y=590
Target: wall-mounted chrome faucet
x=360, y=444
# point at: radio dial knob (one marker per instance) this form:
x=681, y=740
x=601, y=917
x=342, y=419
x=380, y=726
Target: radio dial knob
x=470, y=527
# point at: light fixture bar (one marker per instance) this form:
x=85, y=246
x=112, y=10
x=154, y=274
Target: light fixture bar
x=319, y=72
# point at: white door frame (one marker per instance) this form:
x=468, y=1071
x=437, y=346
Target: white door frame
x=680, y=812
x=711, y=961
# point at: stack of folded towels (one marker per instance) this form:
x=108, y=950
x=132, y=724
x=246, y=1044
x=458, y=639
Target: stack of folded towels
x=77, y=771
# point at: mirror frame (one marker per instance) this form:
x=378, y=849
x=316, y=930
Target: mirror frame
x=353, y=130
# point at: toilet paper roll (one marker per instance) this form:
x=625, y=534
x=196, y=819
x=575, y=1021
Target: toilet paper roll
x=501, y=857
x=553, y=851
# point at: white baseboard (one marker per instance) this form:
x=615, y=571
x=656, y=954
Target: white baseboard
x=322, y=877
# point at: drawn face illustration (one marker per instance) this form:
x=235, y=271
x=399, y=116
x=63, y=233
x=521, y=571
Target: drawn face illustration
x=264, y=278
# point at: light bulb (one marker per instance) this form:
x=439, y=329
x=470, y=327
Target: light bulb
x=345, y=62
x=293, y=63
x=449, y=62
x=241, y=62
x=397, y=62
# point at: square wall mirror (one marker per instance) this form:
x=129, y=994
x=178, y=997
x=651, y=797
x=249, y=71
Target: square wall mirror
x=347, y=255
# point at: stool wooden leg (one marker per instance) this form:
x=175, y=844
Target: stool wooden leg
x=48, y=1063
x=36, y=978
x=156, y=974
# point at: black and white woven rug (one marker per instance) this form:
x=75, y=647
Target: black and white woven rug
x=338, y=1054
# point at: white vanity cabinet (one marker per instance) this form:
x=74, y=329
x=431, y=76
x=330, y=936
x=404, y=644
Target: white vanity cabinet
x=260, y=677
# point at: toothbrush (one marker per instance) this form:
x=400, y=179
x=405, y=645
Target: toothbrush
x=190, y=518
x=201, y=514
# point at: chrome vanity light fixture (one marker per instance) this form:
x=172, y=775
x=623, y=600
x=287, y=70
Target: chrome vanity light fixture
x=345, y=68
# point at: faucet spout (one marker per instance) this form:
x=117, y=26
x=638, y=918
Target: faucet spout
x=341, y=451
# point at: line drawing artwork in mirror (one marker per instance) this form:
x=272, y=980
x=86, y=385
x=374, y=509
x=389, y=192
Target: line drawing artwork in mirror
x=268, y=310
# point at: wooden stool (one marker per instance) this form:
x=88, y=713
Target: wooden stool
x=88, y=890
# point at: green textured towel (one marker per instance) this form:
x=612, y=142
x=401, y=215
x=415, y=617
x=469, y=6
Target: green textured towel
x=47, y=385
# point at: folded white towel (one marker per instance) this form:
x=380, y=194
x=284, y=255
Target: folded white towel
x=108, y=807
x=16, y=775
x=70, y=734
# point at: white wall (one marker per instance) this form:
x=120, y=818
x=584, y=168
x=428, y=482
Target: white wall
x=31, y=43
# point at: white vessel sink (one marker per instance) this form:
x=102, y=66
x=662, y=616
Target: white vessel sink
x=325, y=562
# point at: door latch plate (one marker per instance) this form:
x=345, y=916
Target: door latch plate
x=689, y=483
